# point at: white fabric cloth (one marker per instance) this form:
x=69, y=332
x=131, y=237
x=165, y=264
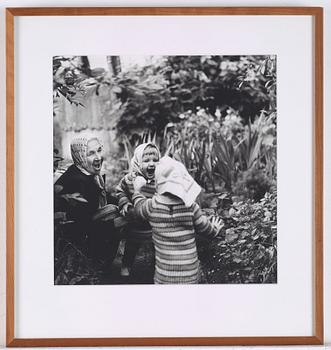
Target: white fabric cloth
x=172, y=177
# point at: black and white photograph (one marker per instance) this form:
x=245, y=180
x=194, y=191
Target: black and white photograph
x=165, y=169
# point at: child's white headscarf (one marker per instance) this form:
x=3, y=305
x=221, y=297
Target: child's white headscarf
x=137, y=159
x=171, y=176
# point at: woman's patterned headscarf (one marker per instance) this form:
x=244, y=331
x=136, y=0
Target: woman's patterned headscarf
x=137, y=159
x=78, y=149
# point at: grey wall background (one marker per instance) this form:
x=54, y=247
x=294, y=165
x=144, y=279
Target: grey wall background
x=327, y=122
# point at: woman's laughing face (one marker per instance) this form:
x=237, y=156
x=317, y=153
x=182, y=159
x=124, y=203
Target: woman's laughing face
x=94, y=156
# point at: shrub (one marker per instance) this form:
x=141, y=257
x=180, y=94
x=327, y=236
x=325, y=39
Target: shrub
x=247, y=252
x=71, y=265
x=253, y=184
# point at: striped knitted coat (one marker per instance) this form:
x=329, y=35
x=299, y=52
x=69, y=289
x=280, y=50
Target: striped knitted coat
x=174, y=227
x=139, y=228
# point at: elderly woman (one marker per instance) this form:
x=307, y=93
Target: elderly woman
x=84, y=199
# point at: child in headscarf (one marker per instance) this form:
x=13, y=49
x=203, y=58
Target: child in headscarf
x=175, y=218
x=143, y=164
x=82, y=189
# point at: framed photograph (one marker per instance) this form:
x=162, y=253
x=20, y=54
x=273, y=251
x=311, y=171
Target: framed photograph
x=164, y=176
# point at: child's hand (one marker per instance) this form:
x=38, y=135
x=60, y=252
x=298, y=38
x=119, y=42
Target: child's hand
x=125, y=209
x=217, y=223
x=138, y=183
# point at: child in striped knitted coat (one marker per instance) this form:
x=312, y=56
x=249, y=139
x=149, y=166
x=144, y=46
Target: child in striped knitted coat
x=143, y=164
x=175, y=219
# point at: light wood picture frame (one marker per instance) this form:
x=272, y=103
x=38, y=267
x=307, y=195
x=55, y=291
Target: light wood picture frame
x=317, y=200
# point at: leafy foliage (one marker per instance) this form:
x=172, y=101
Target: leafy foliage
x=155, y=95
x=147, y=104
x=71, y=265
x=218, y=154
x=72, y=78
x=241, y=82
x=253, y=184
x=248, y=251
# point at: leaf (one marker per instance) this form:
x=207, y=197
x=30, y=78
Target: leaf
x=95, y=72
x=59, y=216
x=58, y=188
x=75, y=197
x=268, y=140
x=231, y=237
